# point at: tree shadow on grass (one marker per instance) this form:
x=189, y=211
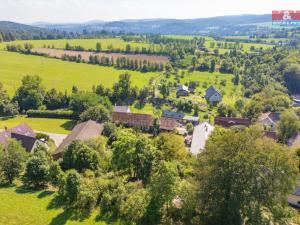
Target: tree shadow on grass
x=69, y=125
x=62, y=218
x=44, y=194
x=69, y=214
x=55, y=203
x=26, y=190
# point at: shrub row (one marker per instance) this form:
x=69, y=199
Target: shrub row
x=58, y=114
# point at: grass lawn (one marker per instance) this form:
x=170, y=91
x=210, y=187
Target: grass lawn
x=21, y=207
x=86, y=43
x=59, y=74
x=60, y=126
x=230, y=92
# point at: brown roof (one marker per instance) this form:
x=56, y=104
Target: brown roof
x=167, y=123
x=82, y=131
x=22, y=133
x=133, y=119
x=27, y=142
x=229, y=121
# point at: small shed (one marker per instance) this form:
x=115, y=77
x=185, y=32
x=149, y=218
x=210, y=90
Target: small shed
x=182, y=90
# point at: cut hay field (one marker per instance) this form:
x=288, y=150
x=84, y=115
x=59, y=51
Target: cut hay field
x=86, y=54
x=59, y=74
x=86, y=43
x=23, y=207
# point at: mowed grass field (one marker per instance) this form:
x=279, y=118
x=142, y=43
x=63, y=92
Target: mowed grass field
x=21, y=207
x=208, y=40
x=86, y=43
x=59, y=126
x=60, y=74
x=230, y=92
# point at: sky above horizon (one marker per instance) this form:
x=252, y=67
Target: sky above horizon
x=66, y=11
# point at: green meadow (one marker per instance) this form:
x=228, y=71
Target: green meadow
x=59, y=74
x=86, y=43
x=23, y=207
x=228, y=89
x=60, y=126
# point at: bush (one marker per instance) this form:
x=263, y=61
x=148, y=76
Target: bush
x=41, y=136
x=59, y=114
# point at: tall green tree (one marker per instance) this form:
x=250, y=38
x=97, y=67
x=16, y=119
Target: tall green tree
x=133, y=154
x=81, y=101
x=288, y=125
x=242, y=177
x=12, y=161
x=30, y=94
x=292, y=78
x=7, y=108
x=80, y=157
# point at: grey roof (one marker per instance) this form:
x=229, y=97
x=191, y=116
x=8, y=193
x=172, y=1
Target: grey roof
x=124, y=108
x=182, y=88
x=22, y=133
x=174, y=115
x=82, y=131
x=211, y=91
x=200, y=136
x=191, y=118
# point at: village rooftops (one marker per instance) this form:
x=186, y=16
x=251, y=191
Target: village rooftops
x=174, y=115
x=269, y=118
x=22, y=133
x=144, y=121
x=230, y=121
x=82, y=131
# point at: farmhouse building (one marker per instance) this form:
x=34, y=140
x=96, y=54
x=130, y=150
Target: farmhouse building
x=269, y=120
x=180, y=116
x=22, y=133
x=296, y=102
x=143, y=121
x=83, y=131
x=173, y=115
x=182, y=90
x=212, y=95
x=227, y=122
x=200, y=136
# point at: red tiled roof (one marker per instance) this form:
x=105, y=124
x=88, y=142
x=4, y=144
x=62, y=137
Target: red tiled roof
x=230, y=121
x=167, y=123
x=133, y=119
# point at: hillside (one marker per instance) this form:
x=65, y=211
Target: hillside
x=222, y=25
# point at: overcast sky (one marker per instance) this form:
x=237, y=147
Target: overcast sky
x=28, y=11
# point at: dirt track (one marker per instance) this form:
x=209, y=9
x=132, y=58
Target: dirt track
x=86, y=54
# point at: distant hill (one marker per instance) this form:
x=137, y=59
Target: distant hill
x=222, y=25
x=218, y=26
x=7, y=25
